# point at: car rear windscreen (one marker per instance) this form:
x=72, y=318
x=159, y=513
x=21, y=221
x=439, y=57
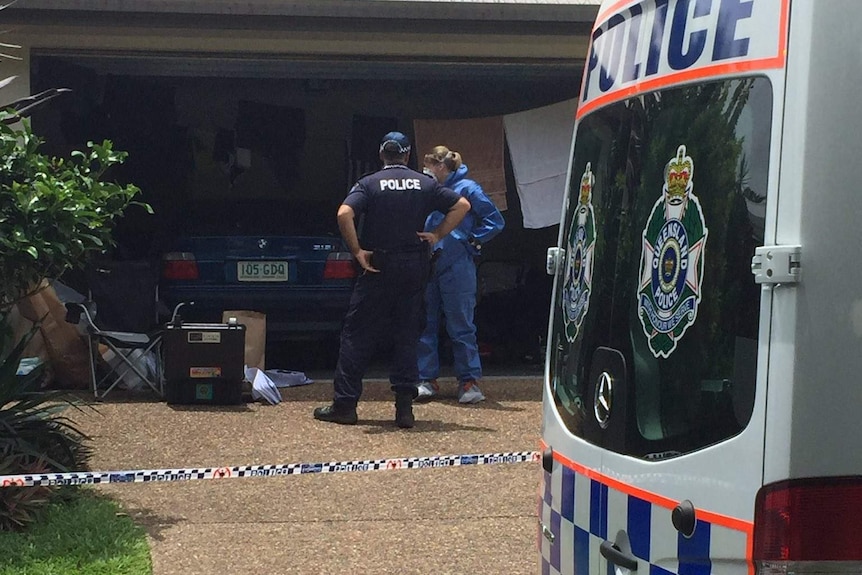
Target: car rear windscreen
x=261, y=217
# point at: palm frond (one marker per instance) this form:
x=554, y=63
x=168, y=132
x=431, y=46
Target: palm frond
x=23, y=107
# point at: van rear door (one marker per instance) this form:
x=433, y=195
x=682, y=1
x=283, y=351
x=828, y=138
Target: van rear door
x=659, y=344
x=660, y=334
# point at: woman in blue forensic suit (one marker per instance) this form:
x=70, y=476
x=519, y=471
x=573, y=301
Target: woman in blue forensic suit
x=386, y=304
x=452, y=289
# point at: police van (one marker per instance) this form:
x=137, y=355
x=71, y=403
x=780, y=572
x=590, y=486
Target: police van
x=703, y=382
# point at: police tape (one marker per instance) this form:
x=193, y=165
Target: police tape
x=243, y=471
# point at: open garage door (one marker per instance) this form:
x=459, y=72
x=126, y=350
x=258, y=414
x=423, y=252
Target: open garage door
x=286, y=106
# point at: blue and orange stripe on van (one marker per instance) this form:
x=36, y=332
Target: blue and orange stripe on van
x=639, y=503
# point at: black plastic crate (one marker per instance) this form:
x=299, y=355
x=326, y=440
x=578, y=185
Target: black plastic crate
x=204, y=363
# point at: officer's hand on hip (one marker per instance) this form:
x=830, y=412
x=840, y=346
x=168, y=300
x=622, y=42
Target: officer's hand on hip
x=429, y=237
x=364, y=259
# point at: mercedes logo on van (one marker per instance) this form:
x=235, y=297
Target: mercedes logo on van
x=261, y=243
x=604, y=399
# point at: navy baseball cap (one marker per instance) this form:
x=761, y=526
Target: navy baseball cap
x=395, y=142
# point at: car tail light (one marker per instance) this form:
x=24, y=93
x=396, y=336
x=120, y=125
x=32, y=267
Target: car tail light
x=809, y=525
x=179, y=266
x=339, y=266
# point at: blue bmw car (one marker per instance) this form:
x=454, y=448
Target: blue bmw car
x=285, y=259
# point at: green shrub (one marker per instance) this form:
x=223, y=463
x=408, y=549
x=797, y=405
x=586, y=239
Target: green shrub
x=35, y=436
x=54, y=212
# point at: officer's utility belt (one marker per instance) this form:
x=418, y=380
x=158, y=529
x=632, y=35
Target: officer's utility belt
x=413, y=254
x=422, y=248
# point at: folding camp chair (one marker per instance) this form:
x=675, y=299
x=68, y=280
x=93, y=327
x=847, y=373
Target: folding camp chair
x=121, y=323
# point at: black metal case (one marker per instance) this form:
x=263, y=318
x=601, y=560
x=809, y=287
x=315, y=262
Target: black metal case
x=204, y=363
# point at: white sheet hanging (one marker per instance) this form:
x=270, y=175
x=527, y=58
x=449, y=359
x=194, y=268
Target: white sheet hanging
x=539, y=144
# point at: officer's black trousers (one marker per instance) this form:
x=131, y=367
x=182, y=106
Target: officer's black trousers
x=386, y=312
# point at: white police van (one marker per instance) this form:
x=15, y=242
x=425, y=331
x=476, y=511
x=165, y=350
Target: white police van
x=703, y=398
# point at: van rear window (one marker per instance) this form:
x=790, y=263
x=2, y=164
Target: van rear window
x=655, y=320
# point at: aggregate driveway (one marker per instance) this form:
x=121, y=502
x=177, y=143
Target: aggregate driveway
x=473, y=520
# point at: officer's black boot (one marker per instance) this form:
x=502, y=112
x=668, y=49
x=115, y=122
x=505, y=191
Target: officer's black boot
x=337, y=413
x=404, y=410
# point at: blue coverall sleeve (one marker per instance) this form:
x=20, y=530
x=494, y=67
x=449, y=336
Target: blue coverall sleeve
x=489, y=221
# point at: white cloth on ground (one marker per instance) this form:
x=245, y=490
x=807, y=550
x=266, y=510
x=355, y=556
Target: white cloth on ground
x=266, y=384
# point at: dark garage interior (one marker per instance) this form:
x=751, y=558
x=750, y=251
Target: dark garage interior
x=306, y=133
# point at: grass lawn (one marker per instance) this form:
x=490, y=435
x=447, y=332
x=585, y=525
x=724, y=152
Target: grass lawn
x=83, y=534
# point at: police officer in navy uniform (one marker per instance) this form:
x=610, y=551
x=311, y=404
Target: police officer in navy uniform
x=388, y=299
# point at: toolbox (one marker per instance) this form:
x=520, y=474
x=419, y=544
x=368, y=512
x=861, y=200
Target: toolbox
x=204, y=363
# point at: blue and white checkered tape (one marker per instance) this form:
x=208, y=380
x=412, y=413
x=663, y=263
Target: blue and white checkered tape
x=243, y=471
x=579, y=510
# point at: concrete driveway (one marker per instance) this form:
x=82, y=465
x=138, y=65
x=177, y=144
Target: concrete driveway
x=478, y=519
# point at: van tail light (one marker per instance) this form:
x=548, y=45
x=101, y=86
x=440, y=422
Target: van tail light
x=801, y=523
x=179, y=266
x=339, y=266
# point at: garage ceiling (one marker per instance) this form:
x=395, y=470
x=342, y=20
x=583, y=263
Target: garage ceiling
x=335, y=39
x=266, y=66
x=531, y=10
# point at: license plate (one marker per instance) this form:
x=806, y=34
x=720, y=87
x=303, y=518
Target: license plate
x=259, y=271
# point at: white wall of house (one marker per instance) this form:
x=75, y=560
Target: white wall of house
x=160, y=29
x=20, y=67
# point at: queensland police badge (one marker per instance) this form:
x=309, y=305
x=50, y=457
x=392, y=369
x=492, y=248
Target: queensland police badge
x=579, y=259
x=671, y=267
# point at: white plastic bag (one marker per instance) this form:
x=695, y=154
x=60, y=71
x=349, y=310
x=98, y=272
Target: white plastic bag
x=262, y=386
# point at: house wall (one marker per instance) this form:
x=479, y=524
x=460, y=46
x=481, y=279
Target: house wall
x=20, y=87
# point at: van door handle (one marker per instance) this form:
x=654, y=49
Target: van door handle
x=617, y=556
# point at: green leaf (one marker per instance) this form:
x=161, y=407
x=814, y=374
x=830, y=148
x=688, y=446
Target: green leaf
x=53, y=212
x=146, y=206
